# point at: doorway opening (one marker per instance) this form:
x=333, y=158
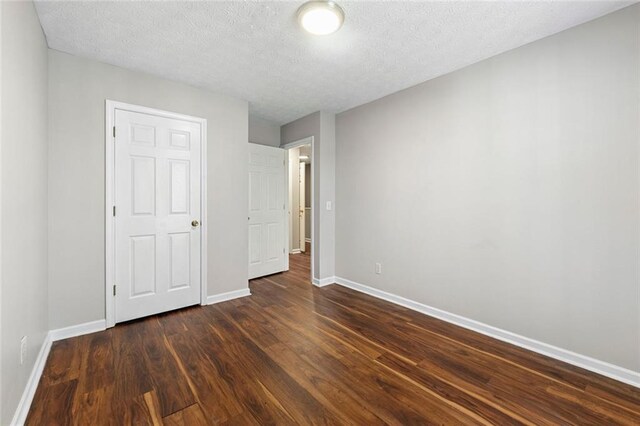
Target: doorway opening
x=300, y=170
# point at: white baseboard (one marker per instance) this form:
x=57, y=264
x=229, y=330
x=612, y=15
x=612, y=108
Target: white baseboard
x=24, y=405
x=604, y=368
x=20, y=415
x=295, y=251
x=223, y=297
x=321, y=282
x=307, y=240
x=78, y=330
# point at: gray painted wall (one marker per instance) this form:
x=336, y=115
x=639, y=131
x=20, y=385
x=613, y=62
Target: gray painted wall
x=320, y=125
x=78, y=89
x=23, y=191
x=263, y=132
x=508, y=191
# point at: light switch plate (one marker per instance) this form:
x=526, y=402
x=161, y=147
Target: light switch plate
x=329, y=206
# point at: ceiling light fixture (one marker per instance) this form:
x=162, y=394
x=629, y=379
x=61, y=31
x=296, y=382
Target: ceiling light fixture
x=320, y=17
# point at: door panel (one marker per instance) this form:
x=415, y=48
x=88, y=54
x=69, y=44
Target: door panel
x=179, y=186
x=267, y=213
x=179, y=260
x=143, y=265
x=274, y=242
x=157, y=195
x=255, y=199
x=143, y=177
x=255, y=242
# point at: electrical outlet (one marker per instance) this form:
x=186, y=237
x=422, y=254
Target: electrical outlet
x=23, y=350
x=378, y=268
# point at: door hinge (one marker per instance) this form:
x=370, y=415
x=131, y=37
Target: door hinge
x=114, y=289
x=114, y=211
x=114, y=131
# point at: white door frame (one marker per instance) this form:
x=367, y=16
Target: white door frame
x=305, y=141
x=110, y=114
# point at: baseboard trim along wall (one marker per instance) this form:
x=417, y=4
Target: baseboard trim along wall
x=600, y=367
x=295, y=251
x=20, y=415
x=22, y=410
x=321, y=282
x=223, y=297
x=78, y=330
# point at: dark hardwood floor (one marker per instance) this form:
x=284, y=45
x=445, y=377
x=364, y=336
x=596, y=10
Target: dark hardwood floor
x=296, y=354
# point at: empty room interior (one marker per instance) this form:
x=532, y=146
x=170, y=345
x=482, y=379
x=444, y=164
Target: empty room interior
x=290, y=212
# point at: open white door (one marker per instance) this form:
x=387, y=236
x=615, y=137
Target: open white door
x=301, y=207
x=267, y=214
x=157, y=214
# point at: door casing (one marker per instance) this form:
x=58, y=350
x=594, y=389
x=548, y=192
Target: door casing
x=110, y=112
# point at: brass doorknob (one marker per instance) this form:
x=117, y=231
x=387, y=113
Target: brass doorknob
x=195, y=223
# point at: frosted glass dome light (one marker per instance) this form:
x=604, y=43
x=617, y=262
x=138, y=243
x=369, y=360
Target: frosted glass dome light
x=320, y=17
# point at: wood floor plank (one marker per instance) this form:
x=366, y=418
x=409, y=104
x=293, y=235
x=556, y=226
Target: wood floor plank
x=98, y=369
x=293, y=353
x=170, y=385
x=132, y=375
x=153, y=405
x=64, y=361
x=245, y=419
x=174, y=322
x=53, y=405
x=95, y=407
x=207, y=383
x=237, y=384
x=305, y=373
x=140, y=410
x=482, y=406
x=302, y=407
x=190, y=416
x=338, y=399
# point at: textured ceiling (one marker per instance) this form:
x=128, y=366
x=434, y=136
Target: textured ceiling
x=256, y=51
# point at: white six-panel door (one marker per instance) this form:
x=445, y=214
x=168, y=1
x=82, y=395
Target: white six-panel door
x=157, y=201
x=267, y=214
